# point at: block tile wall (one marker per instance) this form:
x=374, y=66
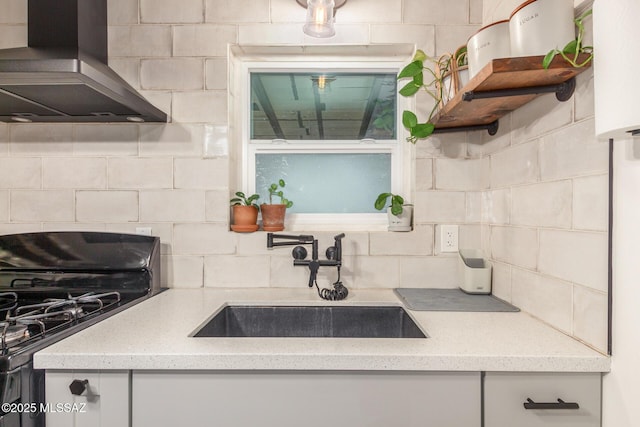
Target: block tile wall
x=545, y=210
x=525, y=197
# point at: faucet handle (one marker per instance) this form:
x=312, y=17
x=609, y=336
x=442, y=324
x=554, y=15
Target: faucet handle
x=299, y=252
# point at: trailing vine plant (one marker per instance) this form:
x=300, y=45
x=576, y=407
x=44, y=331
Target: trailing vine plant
x=432, y=84
x=574, y=48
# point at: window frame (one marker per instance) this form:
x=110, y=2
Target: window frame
x=400, y=153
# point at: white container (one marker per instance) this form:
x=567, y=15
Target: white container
x=488, y=43
x=400, y=222
x=538, y=26
x=449, y=90
x=475, y=272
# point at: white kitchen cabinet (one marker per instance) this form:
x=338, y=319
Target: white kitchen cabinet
x=506, y=393
x=310, y=399
x=104, y=403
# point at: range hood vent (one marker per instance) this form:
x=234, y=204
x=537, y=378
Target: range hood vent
x=63, y=76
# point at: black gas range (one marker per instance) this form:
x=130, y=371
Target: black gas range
x=53, y=284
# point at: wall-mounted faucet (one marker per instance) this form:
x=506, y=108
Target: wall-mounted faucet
x=299, y=253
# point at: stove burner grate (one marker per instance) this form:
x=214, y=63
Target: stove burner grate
x=25, y=322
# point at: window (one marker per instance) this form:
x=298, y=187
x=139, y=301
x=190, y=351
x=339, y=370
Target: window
x=332, y=133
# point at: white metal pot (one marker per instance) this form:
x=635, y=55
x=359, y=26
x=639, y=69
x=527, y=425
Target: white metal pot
x=488, y=43
x=449, y=89
x=400, y=222
x=538, y=26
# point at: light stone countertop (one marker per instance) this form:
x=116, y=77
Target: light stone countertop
x=155, y=335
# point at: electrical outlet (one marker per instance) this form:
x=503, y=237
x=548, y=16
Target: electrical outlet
x=448, y=238
x=145, y=231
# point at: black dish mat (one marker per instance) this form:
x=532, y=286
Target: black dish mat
x=450, y=300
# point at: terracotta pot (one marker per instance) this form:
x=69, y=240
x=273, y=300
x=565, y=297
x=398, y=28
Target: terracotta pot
x=273, y=217
x=245, y=218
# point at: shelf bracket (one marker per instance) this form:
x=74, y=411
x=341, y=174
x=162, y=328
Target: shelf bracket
x=564, y=91
x=491, y=128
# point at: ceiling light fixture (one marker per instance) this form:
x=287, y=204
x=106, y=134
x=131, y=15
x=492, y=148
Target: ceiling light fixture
x=322, y=81
x=320, y=14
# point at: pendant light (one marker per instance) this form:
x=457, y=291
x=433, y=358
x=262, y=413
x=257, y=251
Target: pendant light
x=320, y=14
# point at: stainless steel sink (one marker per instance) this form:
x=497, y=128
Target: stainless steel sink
x=310, y=321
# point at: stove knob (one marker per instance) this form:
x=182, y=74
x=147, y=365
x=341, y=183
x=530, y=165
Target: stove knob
x=78, y=387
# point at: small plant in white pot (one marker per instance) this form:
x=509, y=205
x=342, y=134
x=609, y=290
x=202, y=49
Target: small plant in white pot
x=400, y=215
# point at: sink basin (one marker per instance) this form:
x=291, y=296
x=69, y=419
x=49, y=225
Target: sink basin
x=310, y=321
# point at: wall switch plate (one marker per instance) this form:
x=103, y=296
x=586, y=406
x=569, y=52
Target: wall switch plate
x=145, y=231
x=448, y=238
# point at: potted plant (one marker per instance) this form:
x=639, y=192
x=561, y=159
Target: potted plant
x=415, y=71
x=573, y=49
x=399, y=214
x=455, y=73
x=245, y=212
x=442, y=82
x=273, y=213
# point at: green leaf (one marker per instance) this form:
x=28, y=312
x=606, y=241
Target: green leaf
x=418, y=79
x=422, y=130
x=571, y=47
x=409, y=119
x=398, y=200
x=273, y=187
x=420, y=56
x=546, y=62
x=411, y=70
x=252, y=198
x=240, y=194
x=396, y=209
x=409, y=89
x=381, y=201
x=235, y=201
x=281, y=182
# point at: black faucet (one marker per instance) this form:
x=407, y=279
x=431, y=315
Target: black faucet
x=299, y=253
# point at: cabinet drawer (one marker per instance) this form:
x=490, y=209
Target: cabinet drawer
x=506, y=393
x=104, y=402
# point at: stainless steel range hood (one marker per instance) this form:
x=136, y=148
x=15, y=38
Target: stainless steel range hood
x=63, y=75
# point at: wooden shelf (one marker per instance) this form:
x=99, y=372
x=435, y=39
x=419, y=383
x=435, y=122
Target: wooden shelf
x=502, y=86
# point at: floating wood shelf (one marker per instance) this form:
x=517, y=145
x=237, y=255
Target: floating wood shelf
x=502, y=86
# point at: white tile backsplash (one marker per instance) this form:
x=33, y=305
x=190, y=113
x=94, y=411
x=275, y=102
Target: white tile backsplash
x=20, y=172
x=122, y=12
x=533, y=197
x=545, y=204
x=42, y=205
x=544, y=297
x=171, y=12
x=176, y=74
x=515, y=245
x=591, y=203
x=433, y=12
x=224, y=11
x=106, y=206
x=515, y=165
x=140, y=40
x=573, y=151
x=203, y=40
x=74, y=172
x=579, y=257
x=140, y=172
x=172, y=205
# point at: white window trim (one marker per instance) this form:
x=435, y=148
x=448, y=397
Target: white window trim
x=401, y=152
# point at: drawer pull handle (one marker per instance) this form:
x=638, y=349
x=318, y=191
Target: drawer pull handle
x=560, y=404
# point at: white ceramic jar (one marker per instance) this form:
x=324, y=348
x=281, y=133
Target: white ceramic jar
x=538, y=26
x=489, y=42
